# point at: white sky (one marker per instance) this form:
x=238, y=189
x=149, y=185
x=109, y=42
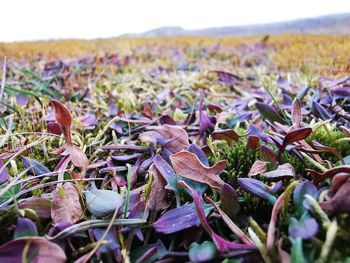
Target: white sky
x=48, y=19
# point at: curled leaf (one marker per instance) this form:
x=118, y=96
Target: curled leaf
x=228, y=135
x=257, y=168
x=64, y=119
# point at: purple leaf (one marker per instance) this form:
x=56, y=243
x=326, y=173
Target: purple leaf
x=38, y=250
x=305, y=228
x=36, y=168
x=4, y=174
x=126, y=158
x=88, y=120
x=200, y=154
x=112, y=244
x=269, y=113
x=320, y=112
x=299, y=195
x=256, y=188
x=283, y=171
x=40, y=205
x=25, y=228
x=179, y=219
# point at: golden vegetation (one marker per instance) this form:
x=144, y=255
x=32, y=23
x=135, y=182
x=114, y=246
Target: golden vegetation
x=308, y=53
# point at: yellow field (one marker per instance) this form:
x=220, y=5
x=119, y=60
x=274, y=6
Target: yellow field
x=324, y=54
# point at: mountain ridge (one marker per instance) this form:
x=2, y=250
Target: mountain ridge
x=336, y=24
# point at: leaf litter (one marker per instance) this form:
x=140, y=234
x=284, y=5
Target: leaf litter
x=173, y=154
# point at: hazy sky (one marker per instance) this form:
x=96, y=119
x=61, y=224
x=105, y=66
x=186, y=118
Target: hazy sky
x=47, y=19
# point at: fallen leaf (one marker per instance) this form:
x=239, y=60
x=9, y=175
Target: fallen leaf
x=40, y=205
x=25, y=228
x=178, y=136
x=66, y=208
x=38, y=249
x=188, y=165
x=179, y=218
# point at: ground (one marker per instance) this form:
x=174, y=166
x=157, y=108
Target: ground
x=176, y=149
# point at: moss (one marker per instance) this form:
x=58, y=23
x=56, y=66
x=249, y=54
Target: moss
x=240, y=159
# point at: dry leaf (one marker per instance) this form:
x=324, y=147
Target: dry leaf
x=177, y=133
x=66, y=207
x=188, y=165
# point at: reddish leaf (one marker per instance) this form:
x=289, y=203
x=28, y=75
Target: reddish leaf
x=229, y=200
x=177, y=133
x=328, y=149
x=40, y=205
x=228, y=135
x=253, y=142
x=64, y=119
x=54, y=127
x=272, y=225
x=157, y=194
x=188, y=165
x=296, y=135
x=296, y=113
x=268, y=154
x=66, y=208
x=339, y=203
x=39, y=250
x=221, y=244
x=234, y=228
x=78, y=158
x=317, y=178
x=258, y=167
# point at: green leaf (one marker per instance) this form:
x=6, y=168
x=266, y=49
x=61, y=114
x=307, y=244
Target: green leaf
x=11, y=192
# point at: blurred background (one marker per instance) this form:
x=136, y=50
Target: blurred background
x=24, y=20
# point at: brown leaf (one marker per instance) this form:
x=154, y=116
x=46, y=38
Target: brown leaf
x=157, y=195
x=177, y=133
x=253, y=142
x=296, y=135
x=296, y=114
x=228, y=135
x=258, y=167
x=188, y=165
x=66, y=207
x=340, y=201
x=64, y=119
x=40, y=205
x=330, y=173
x=78, y=158
x=272, y=225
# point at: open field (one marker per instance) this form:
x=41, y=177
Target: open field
x=176, y=149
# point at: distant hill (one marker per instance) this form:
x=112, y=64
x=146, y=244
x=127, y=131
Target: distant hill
x=338, y=24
